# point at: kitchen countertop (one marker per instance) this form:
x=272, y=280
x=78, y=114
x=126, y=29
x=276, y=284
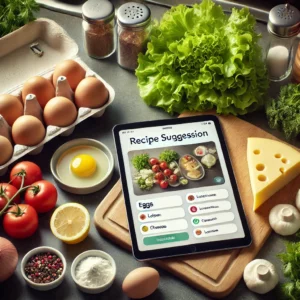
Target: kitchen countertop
x=127, y=107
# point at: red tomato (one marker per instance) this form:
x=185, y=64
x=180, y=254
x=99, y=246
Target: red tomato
x=32, y=171
x=20, y=221
x=155, y=168
x=163, y=165
x=8, y=190
x=173, y=178
x=159, y=176
x=42, y=195
x=164, y=184
x=153, y=161
x=167, y=172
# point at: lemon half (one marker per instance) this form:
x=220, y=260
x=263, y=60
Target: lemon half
x=70, y=223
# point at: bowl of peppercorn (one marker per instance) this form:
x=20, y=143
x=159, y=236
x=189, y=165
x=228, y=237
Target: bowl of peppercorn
x=43, y=268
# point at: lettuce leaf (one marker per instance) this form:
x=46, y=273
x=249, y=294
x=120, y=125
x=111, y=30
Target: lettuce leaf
x=199, y=58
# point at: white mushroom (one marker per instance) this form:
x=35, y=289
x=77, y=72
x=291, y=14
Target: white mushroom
x=284, y=219
x=260, y=276
x=298, y=200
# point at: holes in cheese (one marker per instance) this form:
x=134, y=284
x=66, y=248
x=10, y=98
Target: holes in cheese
x=260, y=167
x=272, y=165
x=261, y=177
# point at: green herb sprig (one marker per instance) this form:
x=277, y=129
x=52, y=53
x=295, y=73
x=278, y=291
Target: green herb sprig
x=141, y=161
x=16, y=13
x=168, y=156
x=291, y=270
x=283, y=113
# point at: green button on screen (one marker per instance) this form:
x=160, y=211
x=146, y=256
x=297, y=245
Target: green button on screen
x=166, y=238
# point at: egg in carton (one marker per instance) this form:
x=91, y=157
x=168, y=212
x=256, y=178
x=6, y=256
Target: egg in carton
x=56, y=38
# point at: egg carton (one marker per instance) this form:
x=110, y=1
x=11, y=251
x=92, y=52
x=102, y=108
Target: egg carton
x=18, y=63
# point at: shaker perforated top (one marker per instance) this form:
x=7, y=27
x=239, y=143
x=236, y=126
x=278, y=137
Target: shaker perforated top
x=132, y=14
x=284, y=20
x=94, y=11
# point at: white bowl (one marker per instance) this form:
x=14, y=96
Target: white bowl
x=75, y=189
x=97, y=253
x=43, y=286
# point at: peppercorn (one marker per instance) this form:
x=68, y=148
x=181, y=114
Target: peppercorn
x=43, y=268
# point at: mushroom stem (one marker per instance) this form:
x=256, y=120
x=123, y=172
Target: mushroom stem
x=287, y=214
x=263, y=272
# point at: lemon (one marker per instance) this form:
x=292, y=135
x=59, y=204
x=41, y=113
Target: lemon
x=70, y=223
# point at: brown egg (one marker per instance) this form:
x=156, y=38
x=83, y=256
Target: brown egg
x=11, y=108
x=70, y=69
x=91, y=92
x=6, y=150
x=28, y=131
x=60, y=111
x=41, y=87
x=140, y=282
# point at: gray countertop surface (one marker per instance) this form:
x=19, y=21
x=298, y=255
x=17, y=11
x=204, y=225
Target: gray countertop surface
x=127, y=107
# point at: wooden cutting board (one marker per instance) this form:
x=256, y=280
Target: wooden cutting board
x=217, y=273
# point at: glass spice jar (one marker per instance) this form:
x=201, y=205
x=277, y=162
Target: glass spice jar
x=283, y=27
x=134, y=21
x=99, y=28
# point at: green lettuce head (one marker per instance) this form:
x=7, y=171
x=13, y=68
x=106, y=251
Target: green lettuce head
x=199, y=58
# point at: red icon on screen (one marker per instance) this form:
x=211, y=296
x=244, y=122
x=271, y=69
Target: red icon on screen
x=142, y=217
x=193, y=209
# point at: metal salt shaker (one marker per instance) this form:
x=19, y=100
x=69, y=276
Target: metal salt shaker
x=283, y=27
x=134, y=21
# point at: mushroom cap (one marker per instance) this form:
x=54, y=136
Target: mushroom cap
x=298, y=200
x=260, y=276
x=284, y=219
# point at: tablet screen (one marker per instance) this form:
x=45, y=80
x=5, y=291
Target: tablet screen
x=179, y=187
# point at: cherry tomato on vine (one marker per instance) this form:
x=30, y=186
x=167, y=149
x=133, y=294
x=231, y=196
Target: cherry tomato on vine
x=20, y=221
x=163, y=165
x=155, y=168
x=167, y=172
x=32, y=172
x=153, y=161
x=7, y=190
x=42, y=195
x=164, y=184
x=159, y=176
x=173, y=178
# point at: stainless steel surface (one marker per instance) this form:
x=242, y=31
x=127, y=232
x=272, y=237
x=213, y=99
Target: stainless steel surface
x=94, y=11
x=127, y=107
x=284, y=21
x=133, y=14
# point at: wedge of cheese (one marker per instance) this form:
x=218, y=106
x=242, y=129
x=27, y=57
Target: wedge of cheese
x=272, y=165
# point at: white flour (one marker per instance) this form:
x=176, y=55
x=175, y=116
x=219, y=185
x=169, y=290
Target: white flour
x=93, y=271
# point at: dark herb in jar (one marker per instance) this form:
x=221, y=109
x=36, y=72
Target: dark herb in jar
x=131, y=43
x=99, y=39
x=43, y=268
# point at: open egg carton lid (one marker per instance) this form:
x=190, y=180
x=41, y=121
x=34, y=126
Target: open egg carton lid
x=18, y=63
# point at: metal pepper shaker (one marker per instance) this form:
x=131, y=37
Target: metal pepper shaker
x=98, y=28
x=134, y=21
x=283, y=27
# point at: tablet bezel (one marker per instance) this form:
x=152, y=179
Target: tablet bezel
x=193, y=248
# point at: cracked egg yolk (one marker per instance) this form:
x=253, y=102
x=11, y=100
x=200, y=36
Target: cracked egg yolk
x=83, y=165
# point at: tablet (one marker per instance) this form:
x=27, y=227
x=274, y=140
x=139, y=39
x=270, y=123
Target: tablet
x=180, y=191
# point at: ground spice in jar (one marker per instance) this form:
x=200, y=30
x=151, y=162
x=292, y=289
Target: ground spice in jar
x=98, y=27
x=43, y=268
x=133, y=30
x=131, y=43
x=99, y=40
x=93, y=271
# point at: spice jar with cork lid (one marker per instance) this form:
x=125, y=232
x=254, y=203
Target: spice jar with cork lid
x=283, y=27
x=134, y=21
x=99, y=28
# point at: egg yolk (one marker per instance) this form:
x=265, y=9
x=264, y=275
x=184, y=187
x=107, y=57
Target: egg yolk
x=83, y=165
